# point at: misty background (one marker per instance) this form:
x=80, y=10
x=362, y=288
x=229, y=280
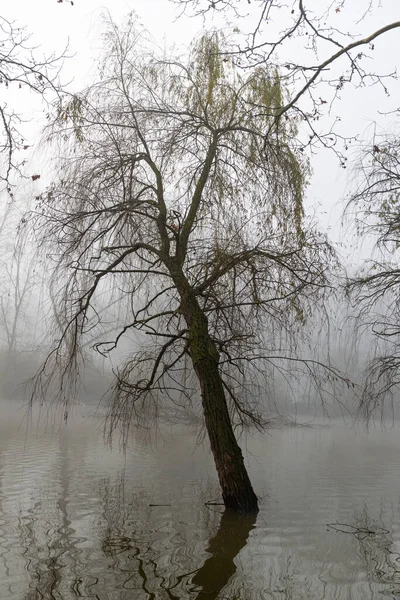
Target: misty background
x=26, y=310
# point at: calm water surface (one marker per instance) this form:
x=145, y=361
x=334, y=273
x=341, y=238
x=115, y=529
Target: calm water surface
x=80, y=521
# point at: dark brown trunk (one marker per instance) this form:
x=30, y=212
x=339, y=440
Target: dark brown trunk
x=237, y=492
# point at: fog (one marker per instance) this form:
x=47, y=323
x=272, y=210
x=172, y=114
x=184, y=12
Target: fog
x=194, y=398
x=27, y=319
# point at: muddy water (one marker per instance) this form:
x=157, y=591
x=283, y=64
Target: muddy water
x=80, y=521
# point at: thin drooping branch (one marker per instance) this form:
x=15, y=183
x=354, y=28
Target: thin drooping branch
x=21, y=67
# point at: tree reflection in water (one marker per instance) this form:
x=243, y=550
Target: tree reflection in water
x=218, y=569
x=51, y=548
x=162, y=574
x=133, y=551
x=376, y=548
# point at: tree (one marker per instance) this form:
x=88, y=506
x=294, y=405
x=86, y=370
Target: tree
x=19, y=281
x=376, y=289
x=171, y=198
x=21, y=287
x=21, y=68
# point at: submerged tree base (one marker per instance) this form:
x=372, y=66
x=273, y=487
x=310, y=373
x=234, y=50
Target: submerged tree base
x=246, y=505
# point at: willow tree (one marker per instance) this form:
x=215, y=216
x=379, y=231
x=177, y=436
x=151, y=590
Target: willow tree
x=375, y=290
x=171, y=200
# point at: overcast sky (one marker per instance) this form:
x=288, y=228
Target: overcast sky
x=53, y=24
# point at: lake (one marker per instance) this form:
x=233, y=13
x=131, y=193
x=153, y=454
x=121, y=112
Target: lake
x=78, y=520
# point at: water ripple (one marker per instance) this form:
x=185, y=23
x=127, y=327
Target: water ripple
x=77, y=520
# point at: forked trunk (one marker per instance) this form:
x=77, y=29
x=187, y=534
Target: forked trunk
x=237, y=491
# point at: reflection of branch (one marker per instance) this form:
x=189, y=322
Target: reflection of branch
x=144, y=566
x=377, y=547
x=359, y=532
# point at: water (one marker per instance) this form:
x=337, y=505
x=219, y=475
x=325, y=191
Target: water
x=80, y=521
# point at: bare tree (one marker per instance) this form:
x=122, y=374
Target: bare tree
x=21, y=286
x=376, y=289
x=171, y=198
x=21, y=67
x=20, y=280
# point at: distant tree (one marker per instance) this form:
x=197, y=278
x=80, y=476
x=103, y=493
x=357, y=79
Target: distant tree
x=376, y=289
x=171, y=198
x=19, y=278
x=21, y=67
x=20, y=290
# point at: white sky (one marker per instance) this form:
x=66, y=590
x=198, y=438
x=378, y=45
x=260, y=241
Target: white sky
x=53, y=23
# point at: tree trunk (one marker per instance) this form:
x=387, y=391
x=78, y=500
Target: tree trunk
x=237, y=492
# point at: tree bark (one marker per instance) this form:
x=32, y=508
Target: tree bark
x=237, y=492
